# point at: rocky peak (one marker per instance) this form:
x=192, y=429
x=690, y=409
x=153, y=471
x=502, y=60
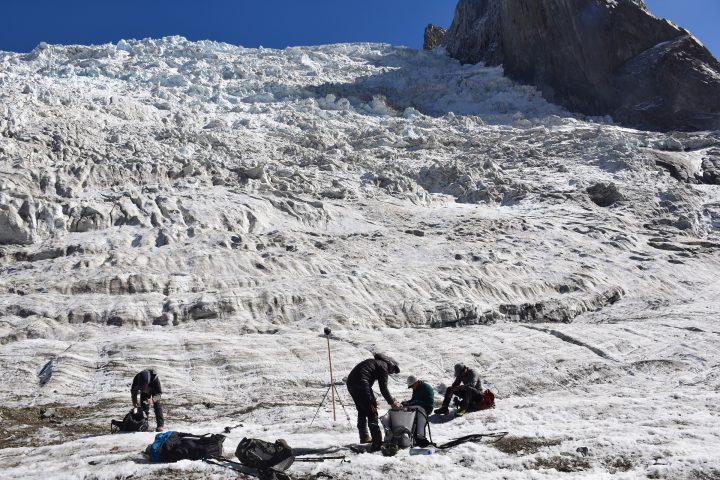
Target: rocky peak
x=433, y=36
x=597, y=57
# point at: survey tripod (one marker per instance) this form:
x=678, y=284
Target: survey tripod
x=332, y=390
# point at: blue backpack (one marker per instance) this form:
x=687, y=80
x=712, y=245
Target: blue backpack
x=175, y=446
x=154, y=449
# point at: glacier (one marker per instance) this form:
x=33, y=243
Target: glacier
x=206, y=209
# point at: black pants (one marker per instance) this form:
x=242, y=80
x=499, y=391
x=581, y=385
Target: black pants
x=157, y=407
x=468, y=395
x=366, y=405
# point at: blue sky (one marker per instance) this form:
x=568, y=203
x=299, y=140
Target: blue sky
x=271, y=23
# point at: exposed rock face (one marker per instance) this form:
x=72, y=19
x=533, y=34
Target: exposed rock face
x=433, y=36
x=687, y=167
x=711, y=167
x=595, y=57
x=605, y=194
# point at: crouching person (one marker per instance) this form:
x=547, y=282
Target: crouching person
x=467, y=386
x=422, y=400
x=147, y=385
x=359, y=385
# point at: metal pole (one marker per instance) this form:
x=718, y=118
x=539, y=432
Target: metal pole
x=319, y=406
x=343, y=406
x=332, y=382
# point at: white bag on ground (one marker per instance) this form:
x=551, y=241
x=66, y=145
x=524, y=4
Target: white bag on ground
x=399, y=427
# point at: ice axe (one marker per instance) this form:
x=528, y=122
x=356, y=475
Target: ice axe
x=230, y=429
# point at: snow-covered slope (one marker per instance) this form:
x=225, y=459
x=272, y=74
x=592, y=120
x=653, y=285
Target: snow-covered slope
x=205, y=209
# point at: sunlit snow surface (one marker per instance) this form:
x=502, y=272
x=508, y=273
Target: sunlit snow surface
x=206, y=209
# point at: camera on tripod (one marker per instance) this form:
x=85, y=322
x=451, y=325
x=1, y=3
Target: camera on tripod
x=332, y=391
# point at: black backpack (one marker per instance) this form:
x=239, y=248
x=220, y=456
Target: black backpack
x=186, y=446
x=134, y=421
x=265, y=455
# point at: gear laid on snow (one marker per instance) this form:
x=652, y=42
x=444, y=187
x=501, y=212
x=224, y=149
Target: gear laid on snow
x=399, y=427
x=135, y=421
x=483, y=401
x=256, y=453
x=262, y=474
x=373, y=448
x=175, y=446
x=475, y=437
x=389, y=449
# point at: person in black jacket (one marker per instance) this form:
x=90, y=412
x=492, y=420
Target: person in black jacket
x=147, y=384
x=467, y=386
x=359, y=384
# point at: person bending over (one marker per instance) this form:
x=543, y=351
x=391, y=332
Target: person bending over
x=147, y=385
x=359, y=385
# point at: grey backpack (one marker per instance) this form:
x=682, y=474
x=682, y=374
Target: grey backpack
x=400, y=427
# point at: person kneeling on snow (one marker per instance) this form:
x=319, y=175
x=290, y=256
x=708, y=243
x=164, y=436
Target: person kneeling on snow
x=359, y=384
x=422, y=401
x=467, y=386
x=147, y=384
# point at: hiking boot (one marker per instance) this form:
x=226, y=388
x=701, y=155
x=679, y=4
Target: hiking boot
x=375, y=447
x=422, y=442
x=366, y=439
x=160, y=429
x=389, y=450
x=442, y=411
x=460, y=412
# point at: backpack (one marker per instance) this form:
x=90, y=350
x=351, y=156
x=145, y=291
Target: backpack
x=400, y=428
x=487, y=401
x=483, y=402
x=171, y=447
x=134, y=421
x=153, y=450
x=265, y=455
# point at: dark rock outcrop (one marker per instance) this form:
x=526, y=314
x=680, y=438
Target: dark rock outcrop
x=605, y=194
x=684, y=168
x=711, y=167
x=596, y=57
x=433, y=36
